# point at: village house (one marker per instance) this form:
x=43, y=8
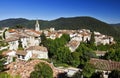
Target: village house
x=100, y=53
x=103, y=39
x=73, y=45
x=71, y=71
x=10, y=54
x=81, y=35
x=13, y=43
x=31, y=52
x=34, y=37
x=52, y=34
x=105, y=66
x=86, y=37
x=77, y=38
x=72, y=35
x=38, y=52
x=23, y=55
x=25, y=42
x=10, y=32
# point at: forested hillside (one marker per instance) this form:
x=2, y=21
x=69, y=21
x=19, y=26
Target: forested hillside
x=66, y=23
x=116, y=27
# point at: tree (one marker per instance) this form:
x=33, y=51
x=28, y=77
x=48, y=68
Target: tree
x=91, y=43
x=42, y=70
x=2, y=61
x=114, y=74
x=113, y=54
x=85, y=54
x=6, y=75
x=92, y=39
x=66, y=37
x=88, y=70
x=53, y=45
x=102, y=47
x=75, y=60
x=18, y=26
x=1, y=65
x=43, y=39
x=20, y=47
x=62, y=54
x=4, y=34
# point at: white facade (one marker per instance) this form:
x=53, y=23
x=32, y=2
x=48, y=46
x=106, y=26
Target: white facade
x=10, y=56
x=24, y=55
x=28, y=56
x=73, y=35
x=34, y=41
x=38, y=52
x=77, y=39
x=13, y=45
x=52, y=29
x=103, y=40
x=25, y=42
x=73, y=45
x=85, y=38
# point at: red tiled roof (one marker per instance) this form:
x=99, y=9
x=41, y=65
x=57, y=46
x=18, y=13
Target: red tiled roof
x=5, y=52
x=85, y=34
x=11, y=30
x=24, y=69
x=73, y=43
x=21, y=52
x=40, y=48
x=37, y=32
x=105, y=64
x=11, y=39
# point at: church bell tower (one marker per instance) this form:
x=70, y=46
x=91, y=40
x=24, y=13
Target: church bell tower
x=37, y=28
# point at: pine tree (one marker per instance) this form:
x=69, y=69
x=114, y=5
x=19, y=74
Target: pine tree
x=92, y=40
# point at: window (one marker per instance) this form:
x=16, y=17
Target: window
x=23, y=57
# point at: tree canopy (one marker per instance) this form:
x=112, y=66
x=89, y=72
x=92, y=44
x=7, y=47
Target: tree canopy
x=42, y=70
x=2, y=61
x=88, y=70
x=85, y=53
x=113, y=54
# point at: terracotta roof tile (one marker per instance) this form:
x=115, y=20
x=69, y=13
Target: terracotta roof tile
x=11, y=39
x=24, y=69
x=105, y=64
x=11, y=30
x=21, y=52
x=5, y=52
x=40, y=48
x=73, y=43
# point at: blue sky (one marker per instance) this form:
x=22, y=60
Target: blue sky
x=105, y=10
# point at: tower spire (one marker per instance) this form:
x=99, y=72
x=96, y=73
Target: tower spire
x=37, y=28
